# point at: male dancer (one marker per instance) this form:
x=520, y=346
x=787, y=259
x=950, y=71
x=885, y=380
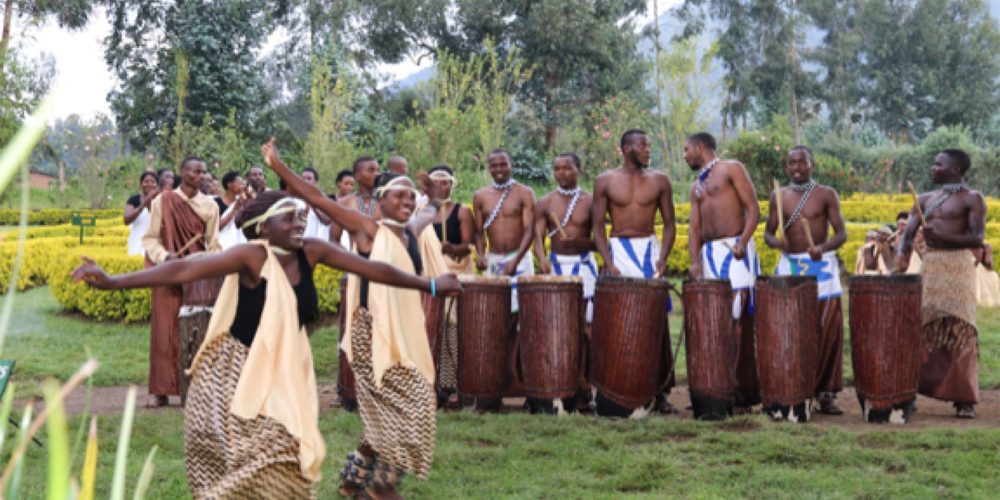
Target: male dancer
x=365, y=171
x=818, y=205
x=631, y=195
x=956, y=218
x=724, y=214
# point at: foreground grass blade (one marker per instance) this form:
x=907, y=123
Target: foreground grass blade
x=82, y=374
x=15, y=155
x=89, y=472
x=15, y=272
x=8, y=402
x=146, y=476
x=14, y=491
x=121, y=456
x=58, y=445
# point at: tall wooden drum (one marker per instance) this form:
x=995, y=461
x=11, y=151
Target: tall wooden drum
x=345, y=375
x=885, y=344
x=787, y=322
x=552, y=319
x=483, y=321
x=712, y=350
x=195, y=313
x=626, y=357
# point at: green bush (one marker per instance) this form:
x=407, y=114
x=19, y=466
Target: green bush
x=763, y=155
x=40, y=254
x=327, y=282
x=103, y=305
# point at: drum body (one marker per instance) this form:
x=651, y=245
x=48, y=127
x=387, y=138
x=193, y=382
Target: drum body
x=886, y=327
x=345, y=376
x=198, y=299
x=483, y=323
x=551, y=318
x=628, y=332
x=434, y=323
x=787, y=323
x=712, y=349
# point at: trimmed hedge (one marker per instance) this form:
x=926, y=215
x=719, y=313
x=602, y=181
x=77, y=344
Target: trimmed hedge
x=41, y=254
x=102, y=305
x=52, y=216
x=105, y=227
x=134, y=305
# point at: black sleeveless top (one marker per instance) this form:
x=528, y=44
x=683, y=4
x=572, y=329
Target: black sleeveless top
x=251, y=303
x=453, y=225
x=411, y=249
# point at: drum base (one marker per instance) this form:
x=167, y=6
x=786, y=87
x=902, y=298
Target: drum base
x=797, y=413
x=556, y=406
x=706, y=407
x=605, y=407
x=897, y=414
x=484, y=404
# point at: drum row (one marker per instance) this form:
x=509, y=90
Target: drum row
x=626, y=361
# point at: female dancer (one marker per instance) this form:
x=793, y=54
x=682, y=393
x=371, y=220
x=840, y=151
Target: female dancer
x=387, y=344
x=251, y=426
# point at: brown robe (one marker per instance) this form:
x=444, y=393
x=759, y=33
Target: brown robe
x=747, y=382
x=950, y=340
x=830, y=377
x=179, y=223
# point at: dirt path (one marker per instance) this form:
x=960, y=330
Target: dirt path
x=931, y=414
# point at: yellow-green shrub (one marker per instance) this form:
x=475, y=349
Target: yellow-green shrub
x=41, y=254
x=327, y=282
x=102, y=229
x=52, y=216
x=127, y=305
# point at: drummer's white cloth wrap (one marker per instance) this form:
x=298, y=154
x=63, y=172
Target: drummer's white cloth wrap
x=583, y=266
x=634, y=257
x=826, y=271
x=718, y=263
x=494, y=267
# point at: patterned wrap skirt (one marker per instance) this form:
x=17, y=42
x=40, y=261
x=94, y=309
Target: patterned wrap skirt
x=227, y=456
x=399, y=417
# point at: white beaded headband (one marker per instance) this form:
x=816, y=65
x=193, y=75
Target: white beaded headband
x=284, y=205
x=396, y=185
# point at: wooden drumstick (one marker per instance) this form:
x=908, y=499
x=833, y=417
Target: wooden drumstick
x=562, y=234
x=808, y=230
x=730, y=247
x=916, y=203
x=780, y=233
x=188, y=245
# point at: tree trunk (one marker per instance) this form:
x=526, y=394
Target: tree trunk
x=8, y=13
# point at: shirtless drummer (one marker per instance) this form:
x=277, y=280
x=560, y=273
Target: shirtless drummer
x=724, y=215
x=632, y=194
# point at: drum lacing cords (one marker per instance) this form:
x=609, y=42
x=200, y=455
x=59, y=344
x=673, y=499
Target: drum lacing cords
x=680, y=336
x=357, y=473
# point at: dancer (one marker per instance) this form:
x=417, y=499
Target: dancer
x=387, y=344
x=251, y=420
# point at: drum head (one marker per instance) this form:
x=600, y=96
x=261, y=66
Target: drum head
x=475, y=279
x=549, y=278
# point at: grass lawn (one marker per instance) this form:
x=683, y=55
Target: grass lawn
x=525, y=456
x=519, y=455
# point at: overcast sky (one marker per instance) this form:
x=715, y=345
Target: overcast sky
x=84, y=77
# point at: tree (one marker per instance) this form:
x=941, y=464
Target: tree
x=682, y=71
x=581, y=51
x=758, y=46
x=218, y=41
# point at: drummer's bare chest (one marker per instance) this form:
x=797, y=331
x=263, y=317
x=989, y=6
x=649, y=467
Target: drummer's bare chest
x=814, y=207
x=581, y=212
x=633, y=191
x=513, y=205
